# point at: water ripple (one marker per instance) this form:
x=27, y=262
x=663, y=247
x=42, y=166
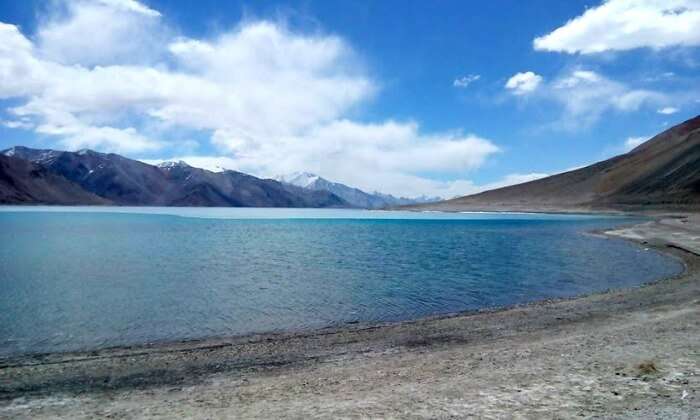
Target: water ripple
x=83, y=280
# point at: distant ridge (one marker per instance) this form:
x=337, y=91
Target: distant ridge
x=661, y=174
x=35, y=176
x=353, y=196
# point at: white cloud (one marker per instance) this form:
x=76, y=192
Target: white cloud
x=667, y=110
x=587, y=93
x=25, y=125
x=19, y=73
x=282, y=82
x=625, y=25
x=78, y=136
x=131, y=6
x=100, y=32
x=389, y=156
x=577, y=78
x=523, y=83
x=633, y=142
x=270, y=100
x=585, y=96
x=464, y=81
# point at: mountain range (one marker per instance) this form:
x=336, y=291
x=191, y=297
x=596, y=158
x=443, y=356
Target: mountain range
x=660, y=174
x=33, y=176
x=354, y=196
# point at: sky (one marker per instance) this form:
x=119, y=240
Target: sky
x=404, y=97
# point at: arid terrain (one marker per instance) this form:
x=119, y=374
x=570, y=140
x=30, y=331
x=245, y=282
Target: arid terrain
x=661, y=174
x=623, y=354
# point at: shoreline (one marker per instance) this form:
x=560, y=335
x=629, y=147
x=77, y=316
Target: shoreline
x=89, y=380
x=197, y=344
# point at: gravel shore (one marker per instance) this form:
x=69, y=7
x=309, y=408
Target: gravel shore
x=631, y=353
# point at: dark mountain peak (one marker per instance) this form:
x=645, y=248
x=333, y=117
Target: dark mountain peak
x=48, y=156
x=14, y=151
x=30, y=154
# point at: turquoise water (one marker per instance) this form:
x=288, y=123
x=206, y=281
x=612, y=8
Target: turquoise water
x=83, y=278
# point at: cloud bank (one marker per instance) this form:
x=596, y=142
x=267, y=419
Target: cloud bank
x=268, y=99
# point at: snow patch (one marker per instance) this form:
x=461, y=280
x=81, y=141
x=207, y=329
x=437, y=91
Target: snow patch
x=172, y=164
x=300, y=179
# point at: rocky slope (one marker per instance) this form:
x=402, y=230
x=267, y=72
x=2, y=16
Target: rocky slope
x=23, y=182
x=661, y=174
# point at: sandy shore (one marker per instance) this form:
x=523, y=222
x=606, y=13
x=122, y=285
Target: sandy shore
x=632, y=353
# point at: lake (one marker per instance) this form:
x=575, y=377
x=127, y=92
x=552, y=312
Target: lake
x=79, y=278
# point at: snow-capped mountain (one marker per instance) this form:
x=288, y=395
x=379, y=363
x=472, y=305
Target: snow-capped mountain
x=300, y=179
x=34, y=176
x=353, y=196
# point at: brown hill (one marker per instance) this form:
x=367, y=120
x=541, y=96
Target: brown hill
x=661, y=174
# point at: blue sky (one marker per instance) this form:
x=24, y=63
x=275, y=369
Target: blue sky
x=403, y=97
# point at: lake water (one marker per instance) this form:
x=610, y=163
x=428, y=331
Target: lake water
x=84, y=278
